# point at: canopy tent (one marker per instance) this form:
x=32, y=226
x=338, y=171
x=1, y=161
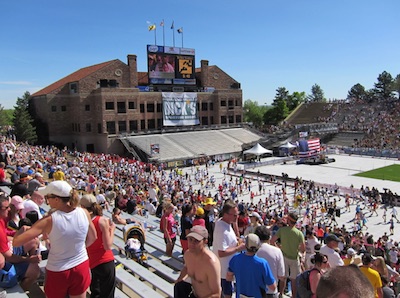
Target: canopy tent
x=288, y=146
x=257, y=150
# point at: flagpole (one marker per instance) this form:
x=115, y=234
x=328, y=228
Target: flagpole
x=155, y=36
x=162, y=24
x=173, y=33
x=182, y=39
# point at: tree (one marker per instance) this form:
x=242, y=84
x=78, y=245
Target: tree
x=5, y=117
x=279, y=109
x=24, y=130
x=253, y=112
x=357, y=92
x=385, y=86
x=317, y=95
x=295, y=99
x=397, y=85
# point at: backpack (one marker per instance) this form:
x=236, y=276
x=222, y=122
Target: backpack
x=303, y=284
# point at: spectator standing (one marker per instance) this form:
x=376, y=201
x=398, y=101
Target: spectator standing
x=371, y=274
x=70, y=230
x=225, y=243
x=101, y=258
x=253, y=274
x=330, y=250
x=291, y=242
x=272, y=254
x=169, y=228
x=209, y=218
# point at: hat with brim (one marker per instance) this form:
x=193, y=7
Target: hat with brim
x=59, y=188
x=209, y=201
x=198, y=232
x=332, y=237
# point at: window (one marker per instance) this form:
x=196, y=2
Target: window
x=111, y=127
x=131, y=105
x=204, y=106
x=142, y=124
x=212, y=120
x=238, y=119
x=159, y=122
x=230, y=104
x=121, y=126
x=54, y=108
x=121, y=107
x=230, y=118
x=99, y=129
x=150, y=108
x=109, y=105
x=204, y=120
x=133, y=125
x=223, y=103
x=88, y=127
x=87, y=107
x=141, y=108
x=73, y=88
x=159, y=108
x=63, y=108
x=223, y=119
x=151, y=124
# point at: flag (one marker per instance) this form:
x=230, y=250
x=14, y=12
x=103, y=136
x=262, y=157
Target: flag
x=172, y=26
x=309, y=148
x=152, y=27
x=180, y=30
x=162, y=23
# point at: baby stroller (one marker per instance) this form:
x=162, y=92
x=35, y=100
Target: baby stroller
x=134, y=238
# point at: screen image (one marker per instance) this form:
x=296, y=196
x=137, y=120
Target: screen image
x=171, y=65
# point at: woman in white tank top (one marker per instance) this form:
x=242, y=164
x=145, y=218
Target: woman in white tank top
x=70, y=230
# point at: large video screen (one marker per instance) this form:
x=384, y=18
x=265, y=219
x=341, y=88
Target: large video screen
x=170, y=65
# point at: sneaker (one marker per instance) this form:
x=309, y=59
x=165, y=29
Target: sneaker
x=3, y=294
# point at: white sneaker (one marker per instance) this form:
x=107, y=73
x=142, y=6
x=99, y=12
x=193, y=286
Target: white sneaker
x=3, y=294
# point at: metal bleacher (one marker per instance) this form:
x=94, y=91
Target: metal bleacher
x=184, y=145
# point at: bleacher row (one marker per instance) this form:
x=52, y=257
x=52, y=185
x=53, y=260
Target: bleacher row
x=189, y=144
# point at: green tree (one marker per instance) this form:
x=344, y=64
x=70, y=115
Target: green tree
x=24, y=130
x=385, y=86
x=295, y=99
x=317, y=94
x=5, y=117
x=253, y=112
x=357, y=92
x=397, y=85
x=279, y=109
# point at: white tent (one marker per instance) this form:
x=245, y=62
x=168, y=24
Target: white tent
x=288, y=146
x=257, y=150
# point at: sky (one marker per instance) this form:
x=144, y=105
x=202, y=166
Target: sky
x=263, y=44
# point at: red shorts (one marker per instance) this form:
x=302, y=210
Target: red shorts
x=74, y=281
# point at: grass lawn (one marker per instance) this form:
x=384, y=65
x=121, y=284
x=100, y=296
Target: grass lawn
x=391, y=173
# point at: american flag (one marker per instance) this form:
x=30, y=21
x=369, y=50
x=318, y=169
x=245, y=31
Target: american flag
x=309, y=148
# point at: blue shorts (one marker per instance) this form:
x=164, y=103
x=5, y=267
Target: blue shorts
x=20, y=269
x=227, y=287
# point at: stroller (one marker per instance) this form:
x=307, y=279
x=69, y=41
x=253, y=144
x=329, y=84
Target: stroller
x=134, y=238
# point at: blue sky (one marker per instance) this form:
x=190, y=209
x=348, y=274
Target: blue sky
x=263, y=44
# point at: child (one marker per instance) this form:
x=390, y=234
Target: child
x=199, y=220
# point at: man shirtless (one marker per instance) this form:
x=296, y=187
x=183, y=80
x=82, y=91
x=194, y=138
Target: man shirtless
x=201, y=265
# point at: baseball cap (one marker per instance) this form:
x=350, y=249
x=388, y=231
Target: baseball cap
x=18, y=202
x=59, y=188
x=332, y=237
x=255, y=214
x=252, y=242
x=351, y=252
x=87, y=200
x=367, y=258
x=198, y=232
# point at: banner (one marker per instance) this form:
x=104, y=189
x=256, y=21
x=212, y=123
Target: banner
x=180, y=109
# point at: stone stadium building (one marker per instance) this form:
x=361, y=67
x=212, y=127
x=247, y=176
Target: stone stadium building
x=111, y=108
